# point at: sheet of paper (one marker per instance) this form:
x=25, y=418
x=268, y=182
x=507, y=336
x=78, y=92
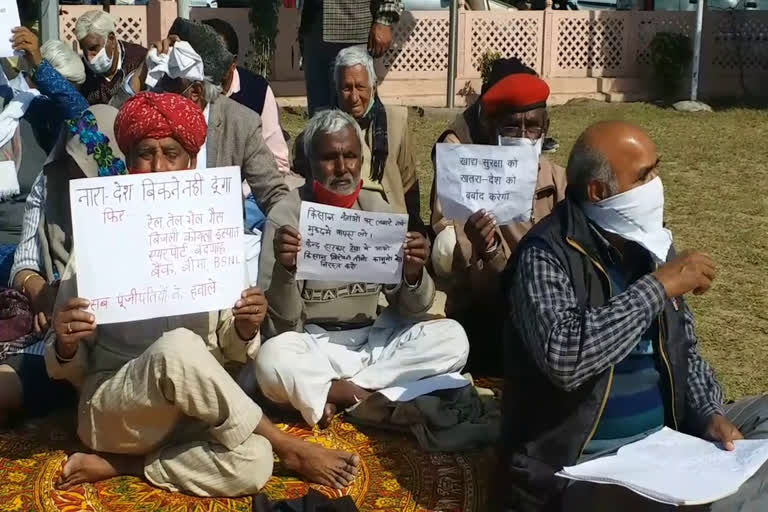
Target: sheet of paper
x=9, y=18
x=499, y=179
x=424, y=386
x=160, y=244
x=340, y=244
x=675, y=468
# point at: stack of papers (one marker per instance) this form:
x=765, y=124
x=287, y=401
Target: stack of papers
x=674, y=468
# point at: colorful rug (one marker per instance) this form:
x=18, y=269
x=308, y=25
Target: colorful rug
x=396, y=475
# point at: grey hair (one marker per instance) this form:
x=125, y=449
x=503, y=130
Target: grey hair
x=327, y=122
x=94, y=22
x=351, y=57
x=586, y=164
x=64, y=60
x=211, y=91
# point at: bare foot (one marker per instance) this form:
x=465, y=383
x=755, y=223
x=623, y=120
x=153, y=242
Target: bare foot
x=328, y=413
x=83, y=468
x=345, y=393
x=332, y=468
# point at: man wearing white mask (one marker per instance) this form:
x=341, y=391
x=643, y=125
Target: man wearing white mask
x=600, y=349
x=107, y=60
x=472, y=255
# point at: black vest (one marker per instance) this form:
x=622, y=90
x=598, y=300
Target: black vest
x=253, y=89
x=546, y=427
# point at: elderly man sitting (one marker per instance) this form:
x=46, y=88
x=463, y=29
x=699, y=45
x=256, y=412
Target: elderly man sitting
x=602, y=349
x=471, y=255
x=108, y=60
x=388, y=163
x=142, y=383
x=332, y=347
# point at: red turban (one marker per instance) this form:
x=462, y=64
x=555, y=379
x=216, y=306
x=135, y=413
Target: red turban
x=516, y=93
x=150, y=115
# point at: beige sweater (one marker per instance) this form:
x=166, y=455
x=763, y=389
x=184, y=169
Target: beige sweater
x=331, y=304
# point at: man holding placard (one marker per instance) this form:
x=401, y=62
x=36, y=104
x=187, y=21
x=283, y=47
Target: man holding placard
x=491, y=186
x=322, y=247
x=143, y=382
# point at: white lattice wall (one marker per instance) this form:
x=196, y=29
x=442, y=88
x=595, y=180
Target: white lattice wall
x=512, y=36
x=737, y=40
x=130, y=21
x=419, y=48
x=588, y=43
x=651, y=23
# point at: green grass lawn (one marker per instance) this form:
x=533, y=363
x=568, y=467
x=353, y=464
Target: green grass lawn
x=715, y=171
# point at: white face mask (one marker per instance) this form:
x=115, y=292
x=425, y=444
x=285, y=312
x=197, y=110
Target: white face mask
x=101, y=63
x=517, y=141
x=636, y=215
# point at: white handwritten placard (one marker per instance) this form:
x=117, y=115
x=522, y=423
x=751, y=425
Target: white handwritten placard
x=499, y=179
x=159, y=244
x=339, y=244
x=9, y=18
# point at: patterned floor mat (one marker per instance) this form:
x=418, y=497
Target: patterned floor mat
x=396, y=475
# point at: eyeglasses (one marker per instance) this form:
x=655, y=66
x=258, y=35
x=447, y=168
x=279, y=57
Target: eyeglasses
x=533, y=133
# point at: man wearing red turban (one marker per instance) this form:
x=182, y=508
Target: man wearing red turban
x=472, y=254
x=145, y=378
x=160, y=132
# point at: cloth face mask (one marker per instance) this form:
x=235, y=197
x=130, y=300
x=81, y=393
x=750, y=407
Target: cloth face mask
x=101, y=63
x=636, y=215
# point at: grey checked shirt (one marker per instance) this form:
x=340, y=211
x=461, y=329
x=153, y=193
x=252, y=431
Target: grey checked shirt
x=349, y=21
x=571, y=345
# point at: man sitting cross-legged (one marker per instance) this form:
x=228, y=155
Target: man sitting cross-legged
x=153, y=394
x=333, y=348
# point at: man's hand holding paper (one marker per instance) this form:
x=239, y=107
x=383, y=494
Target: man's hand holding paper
x=500, y=180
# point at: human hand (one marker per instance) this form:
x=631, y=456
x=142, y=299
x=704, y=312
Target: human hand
x=72, y=325
x=41, y=323
x=25, y=40
x=416, y=256
x=250, y=312
x=165, y=45
x=689, y=271
x=379, y=39
x=287, y=247
x=42, y=305
x=480, y=229
x=723, y=431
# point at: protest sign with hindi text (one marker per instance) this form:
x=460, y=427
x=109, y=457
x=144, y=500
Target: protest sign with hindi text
x=9, y=19
x=499, y=179
x=339, y=244
x=159, y=244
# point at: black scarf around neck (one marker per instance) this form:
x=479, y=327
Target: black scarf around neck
x=377, y=118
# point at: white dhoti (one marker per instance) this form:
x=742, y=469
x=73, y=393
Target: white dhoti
x=177, y=406
x=298, y=368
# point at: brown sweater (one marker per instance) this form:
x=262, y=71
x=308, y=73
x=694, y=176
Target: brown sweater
x=97, y=89
x=330, y=304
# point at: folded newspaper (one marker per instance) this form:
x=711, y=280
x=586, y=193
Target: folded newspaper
x=675, y=468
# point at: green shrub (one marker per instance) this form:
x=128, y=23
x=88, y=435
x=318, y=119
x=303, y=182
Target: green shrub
x=671, y=56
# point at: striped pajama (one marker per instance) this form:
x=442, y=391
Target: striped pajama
x=177, y=406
